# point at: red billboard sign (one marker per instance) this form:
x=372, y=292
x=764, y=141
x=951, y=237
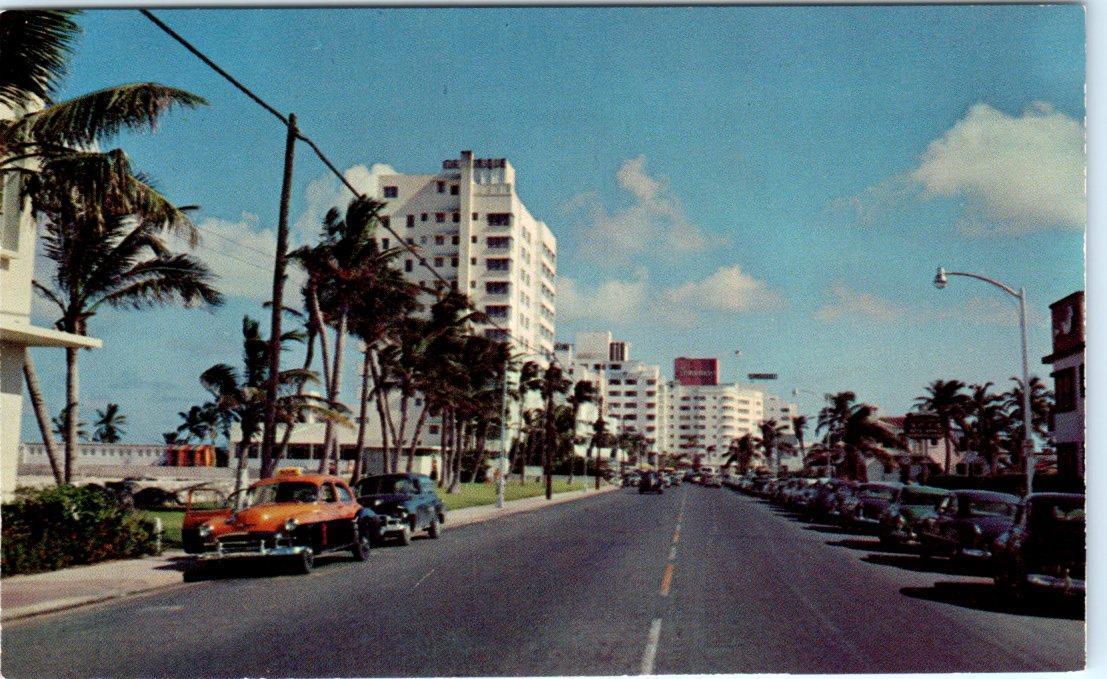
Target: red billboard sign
x=696, y=371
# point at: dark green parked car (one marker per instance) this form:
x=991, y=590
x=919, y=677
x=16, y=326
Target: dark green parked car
x=909, y=507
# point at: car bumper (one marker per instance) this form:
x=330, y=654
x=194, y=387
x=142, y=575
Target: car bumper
x=1056, y=584
x=260, y=551
x=974, y=553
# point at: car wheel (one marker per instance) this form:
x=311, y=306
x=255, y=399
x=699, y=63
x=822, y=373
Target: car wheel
x=404, y=538
x=305, y=562
x=434, y=530
x=362, y=545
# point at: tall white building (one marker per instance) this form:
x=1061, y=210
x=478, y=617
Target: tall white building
x=704, y=419
x=780, y=410
x=474, y=230
x=634, y=393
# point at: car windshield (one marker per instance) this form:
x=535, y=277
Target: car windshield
x=284, y=491
x=991, y=508
x=878, y=492
x=383, y=485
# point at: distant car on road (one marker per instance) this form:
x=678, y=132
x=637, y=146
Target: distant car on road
x=291, y=516
x=408, y=502
x=910, y=507
x=966, y=524
x=650, y=482
x=1045, y=547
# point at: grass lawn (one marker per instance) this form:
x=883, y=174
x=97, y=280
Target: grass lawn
x=171, y=524
x=475, y=494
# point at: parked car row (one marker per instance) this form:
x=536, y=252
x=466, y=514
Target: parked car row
x=294, y=517
x=1032, y=543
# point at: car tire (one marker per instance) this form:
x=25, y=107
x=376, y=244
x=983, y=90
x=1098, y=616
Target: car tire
x=304, y=563
x=363, y=543
x=404, y=537
x=434, y=530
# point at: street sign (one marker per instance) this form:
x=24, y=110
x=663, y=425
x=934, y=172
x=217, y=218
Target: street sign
x=762, y=376
x=923, y=426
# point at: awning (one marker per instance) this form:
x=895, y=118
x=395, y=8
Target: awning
x=34, y=336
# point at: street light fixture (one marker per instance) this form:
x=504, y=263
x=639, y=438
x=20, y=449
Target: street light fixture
x=941, y=279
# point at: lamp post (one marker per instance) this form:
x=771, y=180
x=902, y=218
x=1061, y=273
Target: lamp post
x=941, y=279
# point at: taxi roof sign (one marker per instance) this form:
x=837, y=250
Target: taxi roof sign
x=290, y=471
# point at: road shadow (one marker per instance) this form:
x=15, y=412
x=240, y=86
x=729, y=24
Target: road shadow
x=988, y=597
x=872, y=545
x=250, y=569
x=831, y=529
x=940, y=566
x=177, y=563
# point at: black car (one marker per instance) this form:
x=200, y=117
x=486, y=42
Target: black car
x=408, y=502
x=966, y=524
x=1045, y=547
x=872, y=500
x=650, y=482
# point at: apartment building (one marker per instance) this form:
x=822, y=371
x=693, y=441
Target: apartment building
x=1067, y=369
x=634, y=393
x=704, y=419
x=471, y=226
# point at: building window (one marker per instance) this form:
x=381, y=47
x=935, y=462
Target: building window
x=497, y=311
x=454, y=240
x=384, y=243
x=432, y=429
x=441, y=187
x=386, y=221
x=474, y=240
x=410, y=221
x=472, y=261
x=423, y=217
x=1064, y=390
x=391, y=192
x=457, y=217
x=476, y=215
x=439, y=240
x=499, y=243
x=438, y=261
x=498, y=264
x=408, y=265
x=499, y=219
x=440, y=217
x=453, y=189
x=496, y=288
x=453, y=262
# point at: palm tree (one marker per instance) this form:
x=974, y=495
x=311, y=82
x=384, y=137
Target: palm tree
x=598, y=439
x=833, y=416
x=339, y=267
x=59, y=426
x=863, y=435
x=1041, y=405
x=120, y=262
x=770, y=436
x=741, y=452
x=554, y=383
x=946, y=399
x=109, y=424
x=584, y=391
x=987, y=423
x=200, y=422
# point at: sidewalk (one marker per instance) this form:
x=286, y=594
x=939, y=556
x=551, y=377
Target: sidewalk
x=23, y=596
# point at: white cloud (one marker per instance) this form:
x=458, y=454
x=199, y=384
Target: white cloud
x=616, y=301
x=1013, y=174
x=654, y=222
x=325, y=192
x=727, y=289
x=845, y=303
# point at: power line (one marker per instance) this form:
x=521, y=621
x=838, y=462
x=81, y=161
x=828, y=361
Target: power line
x=322, y=157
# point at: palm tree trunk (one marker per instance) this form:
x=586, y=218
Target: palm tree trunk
x=415, y=437
x=38, y=404
x=72, y=386
x=455, y=464
x=317, y=321
x=443, y=454
x=401, y=437
x=243, y=449
x=949, y=452
x=330, y=446
x=379, y=397
x=363, y=413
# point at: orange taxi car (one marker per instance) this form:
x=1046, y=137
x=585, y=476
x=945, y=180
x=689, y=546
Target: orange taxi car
x=291, y=516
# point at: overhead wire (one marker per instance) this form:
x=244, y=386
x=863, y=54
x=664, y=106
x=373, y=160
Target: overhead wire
x=325, y=160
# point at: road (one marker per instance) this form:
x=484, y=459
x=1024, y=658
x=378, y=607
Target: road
x=697, y=580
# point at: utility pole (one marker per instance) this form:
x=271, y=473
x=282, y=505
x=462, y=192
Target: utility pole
x=269, y=434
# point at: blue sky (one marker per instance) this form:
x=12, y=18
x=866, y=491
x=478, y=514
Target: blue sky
x=782, y=180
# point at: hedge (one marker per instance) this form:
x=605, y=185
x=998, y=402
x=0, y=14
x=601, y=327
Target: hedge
x=52, y=528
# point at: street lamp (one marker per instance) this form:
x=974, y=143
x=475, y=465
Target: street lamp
x=941, y=279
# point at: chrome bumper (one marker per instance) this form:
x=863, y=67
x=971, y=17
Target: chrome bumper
x=280, y=550
x=975, y=553
x=1067, y=585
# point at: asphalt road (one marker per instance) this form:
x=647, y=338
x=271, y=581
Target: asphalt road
x=694, y=581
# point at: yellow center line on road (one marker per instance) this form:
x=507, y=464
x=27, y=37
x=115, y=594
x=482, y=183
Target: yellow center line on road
x=667, y=579
x=676, y=534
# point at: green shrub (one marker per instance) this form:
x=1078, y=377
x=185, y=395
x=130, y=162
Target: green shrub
x=52, y=528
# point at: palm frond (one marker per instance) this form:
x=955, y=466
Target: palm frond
x=34, y=48
x=99, y=116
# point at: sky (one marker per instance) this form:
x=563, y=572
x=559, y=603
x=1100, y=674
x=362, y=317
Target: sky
x=781, y=181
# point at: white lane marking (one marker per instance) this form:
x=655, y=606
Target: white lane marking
x=651, y=647
x=672, y=553
x=423, y=578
